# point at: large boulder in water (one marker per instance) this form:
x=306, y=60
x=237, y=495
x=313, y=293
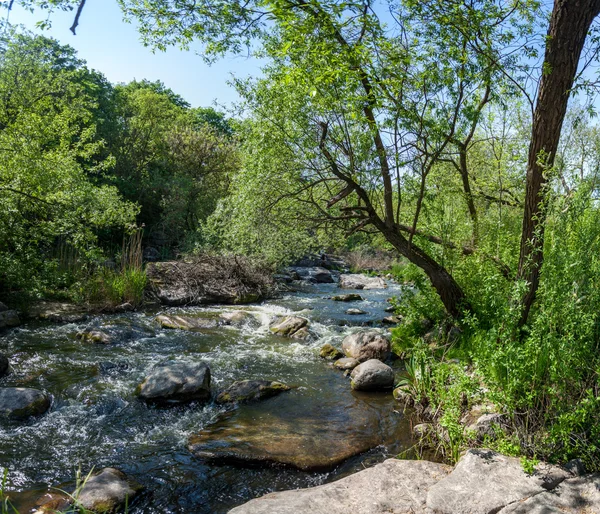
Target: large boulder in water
x=208, y=279
x=372, y=375
x=315, y=274
x=4, y=366
x=356, y=281
x=249, y=390
x=289, y=326
x=393, y=487
x=174, y=382
x=22, y=402
x=367, y=344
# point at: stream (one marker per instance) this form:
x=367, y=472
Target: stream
x=96, y=420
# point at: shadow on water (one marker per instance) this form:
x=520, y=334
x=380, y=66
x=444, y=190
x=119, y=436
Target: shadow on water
x=96, y=420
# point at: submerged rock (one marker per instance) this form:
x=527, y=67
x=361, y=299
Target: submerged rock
x=484, y=481
x=104, y=492
x=289, y=326
x=330, y=353
x=248, y=390
x=174, y=382
x=393, y=487
x=186, y=322
x=346, y=363
x=372, y=375
x=95, y=336
x=22, y=402
x=236, y=318
x=350, y=297
x=9, y=319
x=367, y=344
x=304, y=442
x=357, y=281
x=355, y=312
x=4, y=366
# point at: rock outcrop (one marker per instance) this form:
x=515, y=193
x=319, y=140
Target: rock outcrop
x=176, y=382
x=356, y=281
x=367, y=344
x=372, y=375
x=22, y=402
x=483, y=482
x=392, y=487
x=250, y=390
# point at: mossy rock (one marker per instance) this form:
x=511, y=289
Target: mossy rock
x=251, y=390
x=330, y=353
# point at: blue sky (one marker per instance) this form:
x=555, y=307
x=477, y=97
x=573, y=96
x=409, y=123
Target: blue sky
x=111, y=46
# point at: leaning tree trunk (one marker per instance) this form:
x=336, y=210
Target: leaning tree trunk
x=451, y=294
x=569, y=25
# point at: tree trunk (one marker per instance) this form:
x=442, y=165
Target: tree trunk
x=451, y=294
x=569, y=25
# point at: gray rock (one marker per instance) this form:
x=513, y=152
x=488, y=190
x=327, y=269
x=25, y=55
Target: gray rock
x=392, y=320
x=365, y=345
x=237, y=318
x=176, y=382
x=58, y=312
x=315, y=274
x=107, y=491
x=249, y=390
x=288, y=326
x=22, y=402
x=3, y=307
x=346, y=363
x=4, y=366
x=575, y=495
x=372, y=375
x=330, y=353
x=392, y=487
x=350, y=297
x=489, y=425
x=9, y=318
x=357, y=281
x=95, y=336
x=484, y=482
x=355, y=312
x=186, y=322
x=576, y=467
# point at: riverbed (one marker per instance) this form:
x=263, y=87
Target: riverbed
x=97, y=421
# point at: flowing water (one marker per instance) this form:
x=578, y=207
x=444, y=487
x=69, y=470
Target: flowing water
x=96, y=420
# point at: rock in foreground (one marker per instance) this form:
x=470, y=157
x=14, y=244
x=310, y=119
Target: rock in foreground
x=365, y=345
x=175, y=382
x=22, y=402
x=104, y=492
x=484, y=481
x=356, y=281
x=372, y=375
x=392, y=487
x=249, y=390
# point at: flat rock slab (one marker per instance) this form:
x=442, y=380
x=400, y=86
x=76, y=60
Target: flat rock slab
x=357, y=281
x=579, y=494
x=483, y=482
x=186, y=322
x=303, y=441
x=250, y=390
x=174, y=381
x=392, y=487
x=22, y=402
x=58, y=312
x=346, y=363
x=350, y=297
